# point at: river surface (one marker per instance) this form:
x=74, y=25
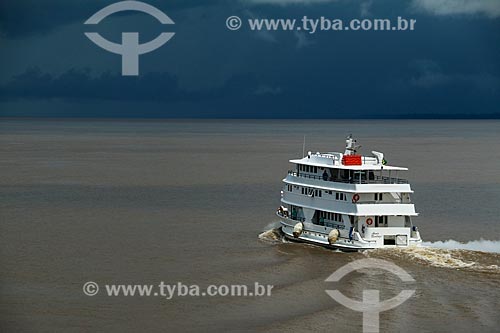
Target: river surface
x=140, y=202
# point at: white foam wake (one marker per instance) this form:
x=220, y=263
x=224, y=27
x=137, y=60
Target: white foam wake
x=476, y=245
x=272, y=233
x=478, y=255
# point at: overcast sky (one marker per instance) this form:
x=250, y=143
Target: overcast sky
x=449, y=66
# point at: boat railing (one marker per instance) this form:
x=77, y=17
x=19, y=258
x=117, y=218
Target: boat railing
x=304, y=175
x=390, y=180
x=375, y=180
x=373, y=202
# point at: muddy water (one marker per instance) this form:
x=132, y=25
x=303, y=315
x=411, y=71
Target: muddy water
x=144, y=202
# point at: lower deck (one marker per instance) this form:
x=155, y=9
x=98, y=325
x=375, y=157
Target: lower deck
x=349, y=238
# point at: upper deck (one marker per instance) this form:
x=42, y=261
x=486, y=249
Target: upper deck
x=349, y=160
x=347, y=168
x=336, y=160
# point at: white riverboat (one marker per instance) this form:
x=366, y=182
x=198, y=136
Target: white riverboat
x=348, y=201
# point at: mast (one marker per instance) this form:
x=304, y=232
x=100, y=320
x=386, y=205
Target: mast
x=351, y=146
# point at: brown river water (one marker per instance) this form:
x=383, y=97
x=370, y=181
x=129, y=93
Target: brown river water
x=140, y=202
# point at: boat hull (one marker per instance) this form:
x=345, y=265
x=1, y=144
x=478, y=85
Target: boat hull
x=318, y=235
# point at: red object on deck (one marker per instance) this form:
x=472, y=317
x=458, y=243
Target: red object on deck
x=351, y=160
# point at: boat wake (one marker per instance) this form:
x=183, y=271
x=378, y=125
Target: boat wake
x=476, y=245
x=273, y=234
x=478, y=255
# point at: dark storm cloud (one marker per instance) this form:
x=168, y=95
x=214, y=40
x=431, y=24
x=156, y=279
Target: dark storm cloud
x=489, y=8
x=80, y=85
x=447, y=67
x=430, y=75
x=152, y=87
x=26, y=17
x=21, y=18
x=429, y=93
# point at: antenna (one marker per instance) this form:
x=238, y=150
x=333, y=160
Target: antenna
x=304, y=147
x=351, y=147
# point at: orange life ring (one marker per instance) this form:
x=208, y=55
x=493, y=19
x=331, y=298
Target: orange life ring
x=355, y=198
x=369, y=221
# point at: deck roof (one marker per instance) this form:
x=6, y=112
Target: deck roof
x=329, y=161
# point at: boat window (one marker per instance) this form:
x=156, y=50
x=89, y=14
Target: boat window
x=332, y=216
x=340, y=196
x=380, y=221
